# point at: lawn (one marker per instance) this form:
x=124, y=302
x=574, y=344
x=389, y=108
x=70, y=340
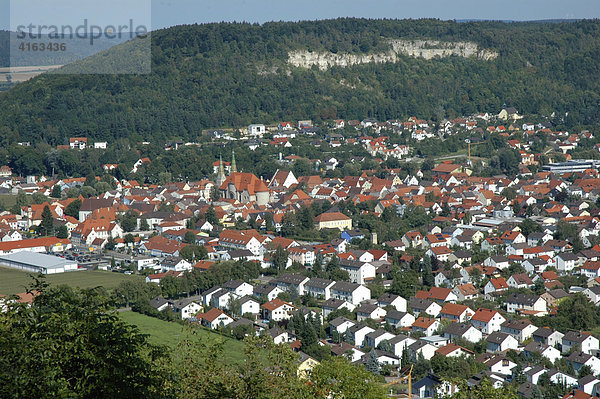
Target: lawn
x=169, y=333
x=13, y=281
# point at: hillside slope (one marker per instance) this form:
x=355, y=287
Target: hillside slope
x=228, y=74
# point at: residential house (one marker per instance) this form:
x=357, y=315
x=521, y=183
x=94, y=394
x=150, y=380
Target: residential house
x=277, y=310
x=549, y=352
x=500, y=342
x=360, y=272
x=369, y=311
x=579, y=359
x=463, y=331
x=214, y=318
x=340, y=325
x=455, y=312
x=465, y=291
x=565, y=261
x=374, y=338
x=333, y=220
x=319, y=287
x=417, y=306
x=396, y=301
x=526, y=304
x=399, y=319
x=584, y=341
x=351, y=292
x=548, y=336
x=487, y=320
x=358, y=334
x=521, y=329
x=427, y=326
x=333, y=304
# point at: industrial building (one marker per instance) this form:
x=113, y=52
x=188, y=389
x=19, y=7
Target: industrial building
x=37, y=263
x=576, y=165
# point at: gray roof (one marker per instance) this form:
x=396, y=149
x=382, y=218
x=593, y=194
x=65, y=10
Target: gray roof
x=543, y=332
x=290, y=279
x=575, y=336
x=318, y=283
x=233, y=284
x=395, y=314
x=353, y=264
x=37, y=260
x=567, y=256
x=421, y=304
x=457, y=329
x=240, y=253
x=497, y=337
x=516, y=324
x=528, y=300
x=366, y=308
x=345, y=286
x=158, y=302
x=377, y=333
x=535, y=347
x=333, y=303
x=338, y=321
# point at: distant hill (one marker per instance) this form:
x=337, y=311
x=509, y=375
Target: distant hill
x=232, y=74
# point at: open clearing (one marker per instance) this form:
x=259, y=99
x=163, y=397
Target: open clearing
x=170, y=333
x=13, y=281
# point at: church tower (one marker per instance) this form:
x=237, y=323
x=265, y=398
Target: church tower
x=233, y=164
x=221, y=174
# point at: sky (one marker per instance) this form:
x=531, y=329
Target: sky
x=165, y=13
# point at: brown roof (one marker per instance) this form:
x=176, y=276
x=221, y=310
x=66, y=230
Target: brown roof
x=330, y=216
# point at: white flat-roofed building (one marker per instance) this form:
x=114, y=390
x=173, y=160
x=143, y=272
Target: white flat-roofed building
x=37, y=263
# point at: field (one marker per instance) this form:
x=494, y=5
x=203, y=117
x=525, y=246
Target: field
x=169, y=333
x=13, y=281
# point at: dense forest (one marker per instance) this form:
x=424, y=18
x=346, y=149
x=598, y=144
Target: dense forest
x=232, y=74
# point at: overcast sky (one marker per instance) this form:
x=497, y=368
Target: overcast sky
x=176, y=12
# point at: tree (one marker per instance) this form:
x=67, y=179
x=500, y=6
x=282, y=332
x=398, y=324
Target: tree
x=129, y=239
x=62, y=232
x=584, y=371
x=528, y=226
x=484, y=390
x=46, y=227
x=193, y=252
x=56, y=191
x=72, y=335
x=565, y=231
x=189, y=237
x=338, y=378
x=72, y=209
x=129, y=222
x=372, y=362
x=211, y=215
x=38, y=198
x=280, y=258
x=144, y=225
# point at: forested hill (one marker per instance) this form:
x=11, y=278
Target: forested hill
x=228, y=74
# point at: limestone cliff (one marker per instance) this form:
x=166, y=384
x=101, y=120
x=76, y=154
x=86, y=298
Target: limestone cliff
x=427, y=49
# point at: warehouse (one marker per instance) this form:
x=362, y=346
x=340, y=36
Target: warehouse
x=37, y=263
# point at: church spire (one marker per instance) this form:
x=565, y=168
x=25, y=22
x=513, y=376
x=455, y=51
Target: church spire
x=221, y=175
x=233, y=165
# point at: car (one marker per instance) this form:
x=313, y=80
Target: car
x=129, y=272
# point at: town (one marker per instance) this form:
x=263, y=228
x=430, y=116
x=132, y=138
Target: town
x=425, y=268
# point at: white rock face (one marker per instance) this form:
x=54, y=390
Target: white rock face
x=427, y=49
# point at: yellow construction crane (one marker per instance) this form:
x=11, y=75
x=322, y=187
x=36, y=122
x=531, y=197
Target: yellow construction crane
x=404, y=374
x=469, y=142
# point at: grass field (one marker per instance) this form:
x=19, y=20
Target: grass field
x=169, y=333
x=13, y=281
